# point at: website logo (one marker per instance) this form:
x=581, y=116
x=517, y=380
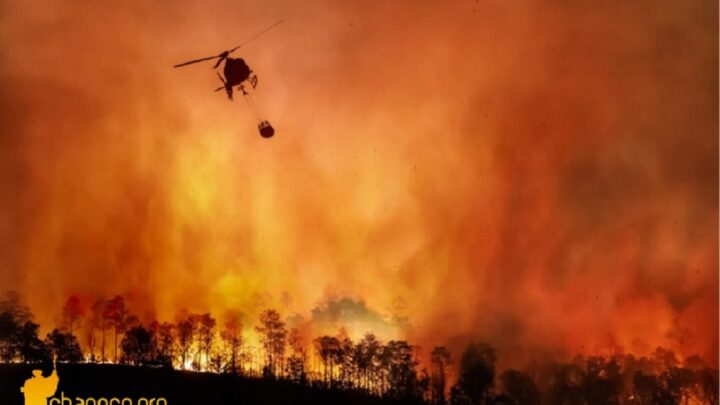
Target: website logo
x=37, y=389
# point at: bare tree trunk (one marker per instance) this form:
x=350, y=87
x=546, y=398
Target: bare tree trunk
x=115, y=346
x=102, y=357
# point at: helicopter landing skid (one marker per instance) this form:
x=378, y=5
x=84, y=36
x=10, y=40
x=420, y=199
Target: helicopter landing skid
x=253, y=80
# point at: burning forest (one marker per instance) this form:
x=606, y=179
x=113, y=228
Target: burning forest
x=396, y=370
x=476, y=201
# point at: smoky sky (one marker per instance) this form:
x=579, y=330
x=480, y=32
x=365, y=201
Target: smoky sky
x=541, y=175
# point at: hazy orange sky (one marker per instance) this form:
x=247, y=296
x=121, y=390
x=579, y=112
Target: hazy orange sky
x=542, y=175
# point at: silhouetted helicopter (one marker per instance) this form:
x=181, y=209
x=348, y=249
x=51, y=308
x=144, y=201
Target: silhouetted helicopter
x=236, y=73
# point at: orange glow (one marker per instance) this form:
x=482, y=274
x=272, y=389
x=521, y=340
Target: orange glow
x=542, y=177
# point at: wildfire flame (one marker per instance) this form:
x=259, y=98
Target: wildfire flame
x=542, y=177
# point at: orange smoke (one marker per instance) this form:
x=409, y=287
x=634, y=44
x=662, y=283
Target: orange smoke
x=541, y=176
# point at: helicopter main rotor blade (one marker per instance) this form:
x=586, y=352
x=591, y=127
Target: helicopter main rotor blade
x=223, y=56
x=196, y=61
x=255, y=36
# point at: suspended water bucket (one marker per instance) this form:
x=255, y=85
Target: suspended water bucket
x=266, y=130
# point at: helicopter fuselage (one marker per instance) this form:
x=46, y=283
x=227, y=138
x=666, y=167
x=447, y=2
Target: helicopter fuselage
x=236, y=71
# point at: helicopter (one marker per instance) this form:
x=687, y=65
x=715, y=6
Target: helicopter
x=236, y=72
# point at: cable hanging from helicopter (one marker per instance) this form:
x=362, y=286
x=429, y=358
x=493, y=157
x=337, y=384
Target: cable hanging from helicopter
x=236, y=72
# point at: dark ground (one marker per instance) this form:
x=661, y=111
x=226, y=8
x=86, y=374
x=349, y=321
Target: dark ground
x=178, y=387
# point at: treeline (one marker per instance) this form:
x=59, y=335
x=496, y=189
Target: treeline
x=110, y=333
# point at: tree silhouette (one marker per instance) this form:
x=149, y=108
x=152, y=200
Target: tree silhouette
x=708, y=383
x=423, y=385
x=164, y=342
x=402, y=374
x=368, y=367
x=567, y=382
x=30, y=348
x=72, y=313
x=65, y=345
x=273, y=336
x=298, y=357
x=477, y=372
x=138, y=346
x=18, y=333
x=204, y=328
x=366, y=353
x=327, y=348
x=9, y=329
x=519, y=387
x=345, y=358
x=185, y=329
x=233, y=339
x=11, y=304
x=439, y=361
x=117, y=317
x=649, y=390
x=603, y=382
x=380, y=371
x=98, y=322
x=15, y=327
